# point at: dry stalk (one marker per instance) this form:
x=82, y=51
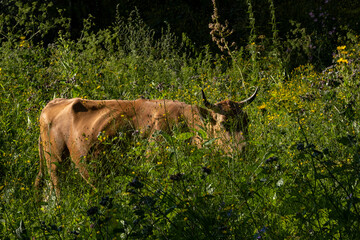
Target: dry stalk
x=219, y=32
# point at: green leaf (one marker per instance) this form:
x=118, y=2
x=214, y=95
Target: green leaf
x=168, y=138
x=169, y=210
x=209, y=142
x=184, y=136
x=202, y=133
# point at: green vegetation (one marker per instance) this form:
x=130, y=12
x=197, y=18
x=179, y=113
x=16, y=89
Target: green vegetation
x=298, y=178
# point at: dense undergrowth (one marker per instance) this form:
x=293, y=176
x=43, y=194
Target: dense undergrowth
x=298, y=178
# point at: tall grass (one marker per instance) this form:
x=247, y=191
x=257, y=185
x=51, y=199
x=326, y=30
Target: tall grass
x=297, y=179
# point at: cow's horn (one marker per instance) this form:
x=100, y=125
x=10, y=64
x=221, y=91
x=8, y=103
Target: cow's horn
x=251, y=98
x=207, y=104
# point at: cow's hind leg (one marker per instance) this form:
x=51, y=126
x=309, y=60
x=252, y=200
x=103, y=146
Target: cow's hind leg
x=52, y=171
x=54, y=154
x=51, y=156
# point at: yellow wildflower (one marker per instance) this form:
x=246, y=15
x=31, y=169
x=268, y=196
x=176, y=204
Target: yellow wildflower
x=262, y=106
x=342, y=60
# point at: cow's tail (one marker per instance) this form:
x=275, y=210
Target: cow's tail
x=39, y=182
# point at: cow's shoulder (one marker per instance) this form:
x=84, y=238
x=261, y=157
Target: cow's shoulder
x=54, y=108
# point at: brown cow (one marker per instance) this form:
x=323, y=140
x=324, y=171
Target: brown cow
x=70, y=127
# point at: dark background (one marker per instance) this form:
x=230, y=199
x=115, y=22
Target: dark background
x=325, y=21
x=193, y=16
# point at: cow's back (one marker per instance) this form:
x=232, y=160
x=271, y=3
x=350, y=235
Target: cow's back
x=166, y=112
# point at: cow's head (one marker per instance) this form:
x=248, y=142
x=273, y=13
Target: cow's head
x=229, y=122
